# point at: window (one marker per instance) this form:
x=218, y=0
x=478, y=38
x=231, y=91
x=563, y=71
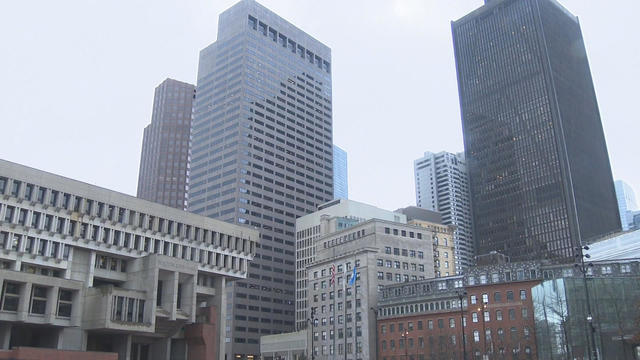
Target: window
x=497, y=296
x=476, y=336
x=509, y=295
x=499, y=315
x=485, y=298
x=65, y=303
x=487, y=316
x=38, y=300
x=525, y=313
x=512, y=314
x=380, y=262
x=10, y=296
x=474, y=299
x=523, y=295
x=387, y=250
x=452, y=322
x=474, y=317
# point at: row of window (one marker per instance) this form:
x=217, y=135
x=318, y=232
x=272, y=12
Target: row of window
x=34, y=245
x=127, y=309
x=37, y=299
x=404, y=252
x=110, y=212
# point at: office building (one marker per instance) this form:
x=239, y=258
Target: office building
x=340, y=174
x=262, y=155
x=444, y=262
x=86, y=268
x=380, y=253
x=164, y=162
x=333, y=216
x=539, y=172
x=626, y=204
x=442, y=185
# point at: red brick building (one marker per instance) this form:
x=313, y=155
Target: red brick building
x=422, y=320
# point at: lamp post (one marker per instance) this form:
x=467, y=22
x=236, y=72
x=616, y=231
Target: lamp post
x=405, y=335
x=312, y=321
x=375, y=314
x=462, y=295
x=484, y=329
x=584, y=268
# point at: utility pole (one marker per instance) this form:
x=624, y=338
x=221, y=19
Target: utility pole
x=584, y=268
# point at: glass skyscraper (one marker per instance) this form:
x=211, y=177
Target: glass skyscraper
x=539, y=171
x=340, y=174
x=626, y=203
x=262, y=155
x=164, y=161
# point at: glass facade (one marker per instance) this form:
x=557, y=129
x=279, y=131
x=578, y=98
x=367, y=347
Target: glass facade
x=262, y=155
x=538, y=166
x=340, y=174
x=560, y=316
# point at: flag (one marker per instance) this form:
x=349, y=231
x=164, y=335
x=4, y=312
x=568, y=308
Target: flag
x=353, y=276
x=333, y=275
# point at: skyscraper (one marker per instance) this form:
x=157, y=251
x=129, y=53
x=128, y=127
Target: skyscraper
x=539, y=172
x=262, y=155
x=626, y=203
x=340, y=174
x=164, y=162
x=442, y=185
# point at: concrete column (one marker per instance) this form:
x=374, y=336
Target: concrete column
x=173, y=285
x=23, y=305
x=91, y=269
x=220, y=301
x=5, y=335
x=52, y=302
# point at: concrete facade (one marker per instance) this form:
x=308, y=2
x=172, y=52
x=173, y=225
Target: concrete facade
x=382, y=253
x=289, y=346
x=164, y=160
x=86, y=268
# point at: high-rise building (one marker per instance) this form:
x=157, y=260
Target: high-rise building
x=333, y=216
x=340, y=174
x=539, y=172
x=626, y=203
x=164, y=163
x=442, y=185
x=262, y=155
x=86, y=268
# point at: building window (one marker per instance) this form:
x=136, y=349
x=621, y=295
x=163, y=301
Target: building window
x=38, y=300
x=523, y=295
x=509, y=295
x=499, y=315
x=10, y=296
x=65, y=303
x=512, y=314
x=474, y=317
x=476, y=336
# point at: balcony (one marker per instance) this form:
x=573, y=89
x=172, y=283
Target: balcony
x=109, y=307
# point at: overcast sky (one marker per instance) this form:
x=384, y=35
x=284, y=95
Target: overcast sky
x=77, y=81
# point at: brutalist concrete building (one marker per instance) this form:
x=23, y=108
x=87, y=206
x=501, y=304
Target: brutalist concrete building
x=262, y=154
x=86, y=268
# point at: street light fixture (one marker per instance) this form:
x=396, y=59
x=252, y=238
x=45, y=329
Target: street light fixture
x=462, y=295
x=584, y=268
x=405, y=334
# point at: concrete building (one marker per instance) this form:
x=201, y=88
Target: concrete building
x=330, y=217
x=86, y=268
x=262, y=154
x=517, y=310
x=626, y=204
x=442, y=185
x=340, y=174
x=164, y=161
x=539, y=172
x=380, y=253
x=444, y=261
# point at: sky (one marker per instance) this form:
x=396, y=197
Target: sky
x=77, y=80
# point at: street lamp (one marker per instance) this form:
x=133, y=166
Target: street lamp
x=312, y=321
x=405, y=334
x=484, y=328
x=584, y=268
x=462, y=295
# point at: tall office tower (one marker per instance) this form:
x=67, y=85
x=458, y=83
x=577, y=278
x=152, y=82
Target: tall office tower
x=539, y=172
x=626, y=203
x=333, y=216
x=442, y=185
x=164, y=163
x=262, y=154
x=340, y=174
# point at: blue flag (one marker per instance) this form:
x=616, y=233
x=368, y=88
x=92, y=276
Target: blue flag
x=353, y=276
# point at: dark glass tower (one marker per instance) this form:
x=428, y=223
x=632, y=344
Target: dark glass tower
x=262, y=155
x=540, y=178
x=164, y=161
